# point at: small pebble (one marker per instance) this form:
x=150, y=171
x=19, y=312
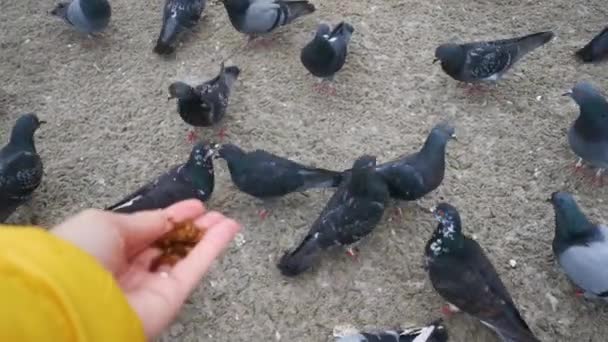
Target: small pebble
x=512, y=263
x=539, y=97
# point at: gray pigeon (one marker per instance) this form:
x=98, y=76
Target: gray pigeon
x=463, y=275
x=596, y=50
x=486, y=61
x=581, y=247
x=192, y=179
x=87, y=16
x=256, y=17
x=325, y=55
x=434, y=332
x=412, y=176
x=205, y=104
x=588, y=134
x=350, y=214
x=178, y=15
x=20, y=166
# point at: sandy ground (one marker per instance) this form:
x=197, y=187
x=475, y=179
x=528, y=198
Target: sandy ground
x=111, y=129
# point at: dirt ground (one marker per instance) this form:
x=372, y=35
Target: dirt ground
x=111, y=129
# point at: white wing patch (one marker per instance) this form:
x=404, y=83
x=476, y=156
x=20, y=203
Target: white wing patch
x=130, y=202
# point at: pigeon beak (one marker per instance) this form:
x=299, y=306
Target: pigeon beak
x=453, y=136
x=41, y=122
x=432, y=209
x=435, y=60
x=169, y=98
x=568, y=93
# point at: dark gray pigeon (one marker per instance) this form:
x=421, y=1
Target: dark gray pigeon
x=256, y=17
x=205, y=104
x=351, y=214
x=86, y=16
x=412, y=176
x=265, y=176
x=193, y=179
x=20, y=166
x=434, y=332
x=178, y=16
x=486, y=61
x=588, y=134
x=325, y=55
x=463, y=275
x=596, y=50
x=581, y=247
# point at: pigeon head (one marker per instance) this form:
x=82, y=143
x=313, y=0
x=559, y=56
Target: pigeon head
x=202, y=154
x=229, y=152
x=60, y=9
x=180, y=90
x=437, y=139
x=448, y=234
x=452, y=57
x=585, y=93
x=323, y=31
x=233, y=70
x=448, y=218
x=23, y=131
x=365, y=161
x=570, y=221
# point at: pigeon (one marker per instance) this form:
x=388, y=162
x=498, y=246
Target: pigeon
x=486, y=61
x=178, y=15
x=588, y=134
x=193, y=179
x=434, y=332
x=20, y=166
x=350, y=214
x=464, y=276
x=413, y=176
x=256, y=17
x=86, y=16
x=581, y=247
x=596, y=50
x=325, y=55
x=205, y=104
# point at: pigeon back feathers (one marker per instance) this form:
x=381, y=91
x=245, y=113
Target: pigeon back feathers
x=178, y=15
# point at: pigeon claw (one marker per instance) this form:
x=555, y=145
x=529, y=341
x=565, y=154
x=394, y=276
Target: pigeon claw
x=263, y=214
x=353, y=252
x=598, y=180
x=578, y=166
x=191, y=137
x=449, y=310
x=325, y=88
x=222, y=134
x=578, y=293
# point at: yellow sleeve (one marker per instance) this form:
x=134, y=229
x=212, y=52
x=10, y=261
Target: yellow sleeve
x=52, y=291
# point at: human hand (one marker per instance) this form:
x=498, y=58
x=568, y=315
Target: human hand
x=122, y=244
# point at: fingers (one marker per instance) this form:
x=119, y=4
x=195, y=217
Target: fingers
x=218, y=236
x=141, y=229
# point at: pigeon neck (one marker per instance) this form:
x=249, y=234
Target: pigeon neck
x=446, y=239
x=571, y=223
x=201, y=171
x=434, y=146
x=593, y=118
x=95, y=7
x=22, y=137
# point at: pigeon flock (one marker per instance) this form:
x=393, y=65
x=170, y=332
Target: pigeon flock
x=459, y=269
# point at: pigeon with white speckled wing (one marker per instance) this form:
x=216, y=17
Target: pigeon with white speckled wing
x=581, y=247
x=588, y=134
x=178, y=16
x=463, y=275
x=486, y=61
x=350, y=214
x=20, y=166
x=87, y=16
x=434, y=332
x=205, y=104
x=193, y=179
x=254, y=17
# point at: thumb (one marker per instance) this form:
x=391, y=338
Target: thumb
x=141, y=229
